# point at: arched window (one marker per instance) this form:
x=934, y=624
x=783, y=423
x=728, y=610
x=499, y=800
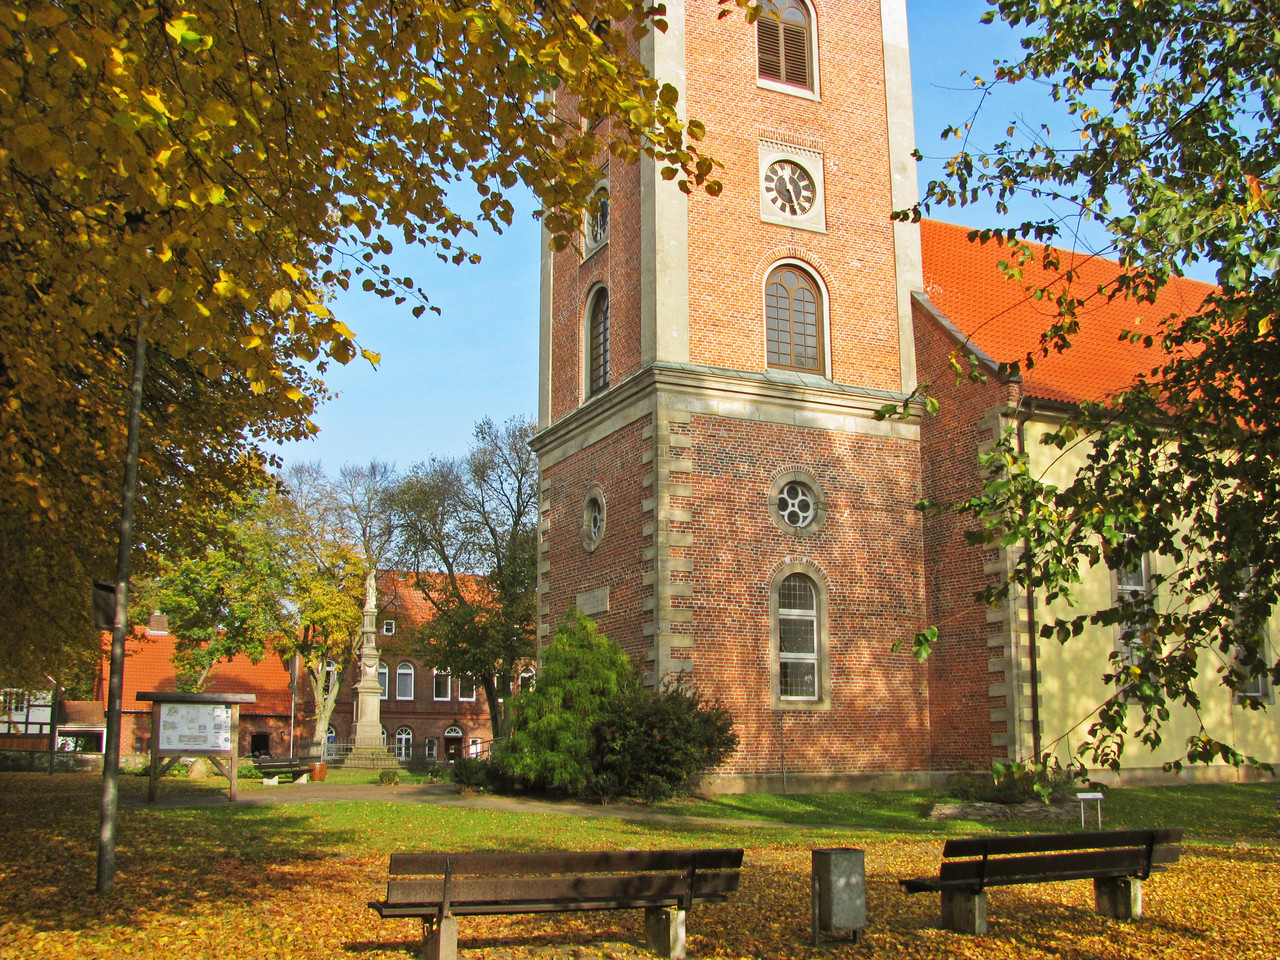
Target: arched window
x=384, y=678
x=404, y=743
x=595, y=227
x=798, y=629
x=785, y=42
x=330, y=676
x=598, y=343
x=793, y=312
x=404, y=681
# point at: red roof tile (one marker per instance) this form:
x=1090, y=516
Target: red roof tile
x=1004, y=321
x=148, y=667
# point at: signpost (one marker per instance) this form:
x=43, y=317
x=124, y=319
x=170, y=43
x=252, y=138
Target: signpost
x=195, y=724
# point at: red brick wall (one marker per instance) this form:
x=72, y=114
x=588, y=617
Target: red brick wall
x=617, y=464
x=731, y=250
x=959, y=676
x=616, y=266
x=869, y=553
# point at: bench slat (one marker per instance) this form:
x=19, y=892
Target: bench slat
x=1044, y=868
x=490, y=864
x=1048, y=842
x=553, y=893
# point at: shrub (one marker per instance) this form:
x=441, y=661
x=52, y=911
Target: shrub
x=650, y=743
x=389, y=778
x=552, y=730
x=1018, y=782
x=470, y=772
x=589, y=729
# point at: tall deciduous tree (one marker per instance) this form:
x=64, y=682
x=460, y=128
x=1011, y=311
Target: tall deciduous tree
x=1175, y=154
x=211, y=171
x=468, y=531
x=232, y=598
x=336, y=534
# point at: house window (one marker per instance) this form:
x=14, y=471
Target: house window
x=1256, y=689
x=404, y=681
x=443, y=683
x=388, y=628
x=404, y=743
x=384, y=679
x=474, y=746
x=383, y=730
x=430, y=748
x=793, y=320
x=798, y=638
x=785, y=45
x=1133, y=585
x=330, y=676
x=598, y=343
x=466, y=688
x=527, y=679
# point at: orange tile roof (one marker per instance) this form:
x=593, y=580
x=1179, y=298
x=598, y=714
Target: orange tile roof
x=964, y=281
x=148, y=667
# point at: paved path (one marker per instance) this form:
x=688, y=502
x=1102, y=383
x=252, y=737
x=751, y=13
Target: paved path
x=439, y=794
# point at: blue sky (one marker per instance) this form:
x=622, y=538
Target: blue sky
x=479, y=358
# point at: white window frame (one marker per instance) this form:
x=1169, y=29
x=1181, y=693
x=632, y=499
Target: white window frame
x=331, y=676
x=388, y=628
x=1132, y=582
x=404, y=744
x=792, y=89
x=384, y=681
x=821, y=657
x=474, y=746
x=405, y=670
x=436, y=677
x=431, y=749
x=463, y=683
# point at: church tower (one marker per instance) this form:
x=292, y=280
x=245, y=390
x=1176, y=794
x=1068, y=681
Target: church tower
x=716, y=491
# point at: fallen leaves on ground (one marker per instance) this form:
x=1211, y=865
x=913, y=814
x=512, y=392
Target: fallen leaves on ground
x=274, y=885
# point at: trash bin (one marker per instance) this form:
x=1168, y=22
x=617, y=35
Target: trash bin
x=318, y=771
x=839, y=895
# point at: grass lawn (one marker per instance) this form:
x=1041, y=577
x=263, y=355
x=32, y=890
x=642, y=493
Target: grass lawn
x=293, y=880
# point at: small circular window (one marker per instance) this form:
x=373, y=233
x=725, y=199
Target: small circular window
x=796, y=503
x=593, y=518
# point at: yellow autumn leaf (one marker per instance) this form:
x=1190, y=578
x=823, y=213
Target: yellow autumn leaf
x=280, y=300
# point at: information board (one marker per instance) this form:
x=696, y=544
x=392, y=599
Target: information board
x=195, y=727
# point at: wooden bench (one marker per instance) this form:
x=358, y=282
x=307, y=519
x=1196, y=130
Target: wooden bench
x=439, y=887
x=1117, y=861
x=291, y=767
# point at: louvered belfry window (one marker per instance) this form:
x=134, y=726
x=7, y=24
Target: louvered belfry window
x=599, y=343
x=782, y=38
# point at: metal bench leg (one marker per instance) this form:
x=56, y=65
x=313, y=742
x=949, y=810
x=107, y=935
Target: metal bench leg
x=663, y=931
x=1118, y=897
x=440, y=941
x=964, y=911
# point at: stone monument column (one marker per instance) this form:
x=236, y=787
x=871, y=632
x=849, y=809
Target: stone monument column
x=368, y=731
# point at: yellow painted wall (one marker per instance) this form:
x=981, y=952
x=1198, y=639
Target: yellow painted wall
x=1072, y=688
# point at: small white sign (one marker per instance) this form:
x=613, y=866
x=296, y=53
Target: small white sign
x=195, y=727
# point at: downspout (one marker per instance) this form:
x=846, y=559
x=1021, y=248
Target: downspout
x=1021, y=417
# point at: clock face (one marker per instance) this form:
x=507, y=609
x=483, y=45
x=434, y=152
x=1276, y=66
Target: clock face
x=789, y=187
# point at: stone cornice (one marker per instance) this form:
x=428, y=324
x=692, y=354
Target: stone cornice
x=778, y=397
